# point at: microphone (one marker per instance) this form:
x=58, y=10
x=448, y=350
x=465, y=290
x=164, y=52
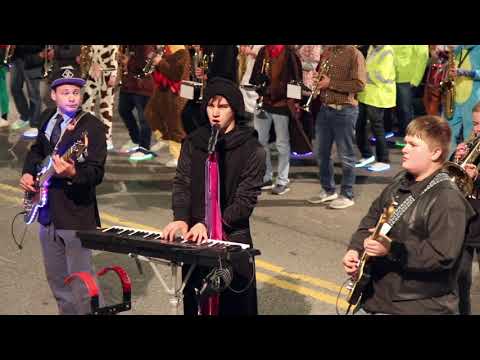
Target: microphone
x=212, y=142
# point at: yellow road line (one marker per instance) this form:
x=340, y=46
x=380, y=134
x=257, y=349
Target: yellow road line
x=329, y=299
x=11, y=188
x=12, y=199
x=259, y=263
x=301, y=277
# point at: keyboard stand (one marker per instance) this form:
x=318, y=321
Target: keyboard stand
x=176, y=291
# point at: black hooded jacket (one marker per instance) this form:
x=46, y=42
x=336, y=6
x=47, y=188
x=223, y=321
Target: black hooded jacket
x=419, y=274
x=241, y=166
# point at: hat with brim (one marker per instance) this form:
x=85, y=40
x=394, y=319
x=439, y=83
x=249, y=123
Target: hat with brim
x=67, y=75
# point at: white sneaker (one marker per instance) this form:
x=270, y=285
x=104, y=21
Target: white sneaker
x=19, y=124
x=4, y=123
x=322, y=197
x=31, y=133
x=365, y=161
x=172, y=163
x=129, y=147
x=379, y=166
x=140, y=156
x=110, y=146
x=159, y=145
x=341, y=203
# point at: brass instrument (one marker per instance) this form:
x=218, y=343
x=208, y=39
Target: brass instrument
x=448, y=87
x=9, y=50
x=263, y=87
x=149, y=68
x=47, y=64
x=122, y=70
x=322, y=71
x=85, y=60
x=456, y=168
x=205, y=61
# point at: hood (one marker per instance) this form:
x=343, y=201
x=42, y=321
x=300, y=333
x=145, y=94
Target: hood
x=235, y=138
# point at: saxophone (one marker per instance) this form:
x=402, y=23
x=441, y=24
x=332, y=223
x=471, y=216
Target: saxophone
x=85, y=60
x=47, y=64
x=447, y=86
x=456, y=168
x=266, y=81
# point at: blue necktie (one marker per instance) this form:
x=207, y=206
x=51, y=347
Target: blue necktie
x=57, y=130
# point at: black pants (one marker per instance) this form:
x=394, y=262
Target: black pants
x=230, y=303
x=375, y=116
x=140, y=132
x=465, y=280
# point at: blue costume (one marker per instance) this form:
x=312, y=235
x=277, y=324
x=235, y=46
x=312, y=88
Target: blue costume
x=467, y=87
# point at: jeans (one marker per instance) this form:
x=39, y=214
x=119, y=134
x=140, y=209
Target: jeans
x=28, y=110
x=263, y=122
x=339, y=126
x=375, y=115
x=404, y=106
x=140, y=132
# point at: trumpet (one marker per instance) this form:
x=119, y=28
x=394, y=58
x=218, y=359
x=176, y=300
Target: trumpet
x=456, y=168
x=323, y=70
x=85, y=60
x=9, y=50
x=149, y=68
x=47, y=63
x=122, y=70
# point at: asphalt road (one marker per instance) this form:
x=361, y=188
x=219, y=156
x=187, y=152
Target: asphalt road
x=298, y=273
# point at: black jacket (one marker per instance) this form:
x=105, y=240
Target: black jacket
x=66, y=55
x=29, y=55
x=72, y=203
x=224, y=62
x=419, y=274
x=241, y=166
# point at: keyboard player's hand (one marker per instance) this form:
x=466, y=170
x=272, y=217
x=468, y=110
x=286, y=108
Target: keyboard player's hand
x=171, y=230
x=197, y=233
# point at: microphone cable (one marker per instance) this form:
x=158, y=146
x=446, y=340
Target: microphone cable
x=19, y=244
x=252, y=261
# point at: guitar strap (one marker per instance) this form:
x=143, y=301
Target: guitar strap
x=410, y=200
x=73, y=123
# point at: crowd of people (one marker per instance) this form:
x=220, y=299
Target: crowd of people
x=296, y=98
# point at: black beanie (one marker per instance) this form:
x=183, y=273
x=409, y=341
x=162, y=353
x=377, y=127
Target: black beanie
x=230, y=91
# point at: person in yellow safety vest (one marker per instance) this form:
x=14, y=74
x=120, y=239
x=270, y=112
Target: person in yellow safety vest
x=379, y=94
x=410, y=64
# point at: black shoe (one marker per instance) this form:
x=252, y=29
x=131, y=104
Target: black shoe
x=280, y=189
x=267, y=185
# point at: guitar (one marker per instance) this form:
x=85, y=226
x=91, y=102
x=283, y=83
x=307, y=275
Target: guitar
x=358, y=285
x=33, y=201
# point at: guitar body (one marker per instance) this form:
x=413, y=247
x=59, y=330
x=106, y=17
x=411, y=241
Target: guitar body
x=358, y=286
x=32, y=202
